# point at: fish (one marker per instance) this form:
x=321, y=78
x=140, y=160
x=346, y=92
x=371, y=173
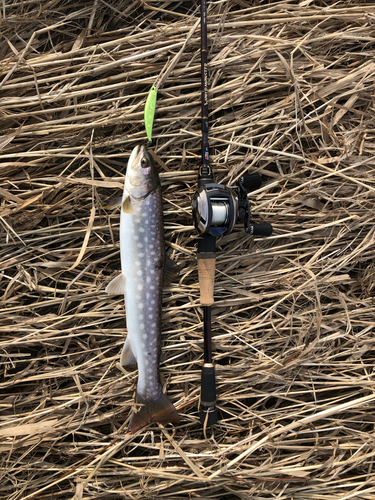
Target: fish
x=144, y=266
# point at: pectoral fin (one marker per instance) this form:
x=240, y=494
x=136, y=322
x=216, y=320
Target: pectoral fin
x=127, y=206
x=112, y=204
x=128, y=359
x=117, y=286
x=171, y=271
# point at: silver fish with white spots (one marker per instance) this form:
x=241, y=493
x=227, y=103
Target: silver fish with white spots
x=143, y=266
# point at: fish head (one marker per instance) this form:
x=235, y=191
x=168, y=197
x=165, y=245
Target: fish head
x=141, y=174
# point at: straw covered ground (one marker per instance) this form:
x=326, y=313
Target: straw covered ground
x=292, y=98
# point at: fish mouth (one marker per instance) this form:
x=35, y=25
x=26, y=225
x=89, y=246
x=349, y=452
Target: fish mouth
x=137, y=151
x=133, y=157
x=142, y=150
x=138, y=175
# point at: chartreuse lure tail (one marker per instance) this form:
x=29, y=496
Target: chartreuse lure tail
x=150, y=111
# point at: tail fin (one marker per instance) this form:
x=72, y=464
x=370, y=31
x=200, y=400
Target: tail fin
x=153, y=410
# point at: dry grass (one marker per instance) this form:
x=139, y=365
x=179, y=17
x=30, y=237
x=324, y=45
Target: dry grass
x=291, y=97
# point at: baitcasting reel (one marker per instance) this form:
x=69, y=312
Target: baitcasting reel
x=217, y=208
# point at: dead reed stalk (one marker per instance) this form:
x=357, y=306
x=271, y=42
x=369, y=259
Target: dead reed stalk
x=291, y=97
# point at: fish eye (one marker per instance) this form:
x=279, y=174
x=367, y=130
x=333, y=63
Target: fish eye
x=144, y=162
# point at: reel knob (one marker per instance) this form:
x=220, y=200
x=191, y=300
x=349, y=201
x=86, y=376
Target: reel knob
x=250, y=182
x=262, y=229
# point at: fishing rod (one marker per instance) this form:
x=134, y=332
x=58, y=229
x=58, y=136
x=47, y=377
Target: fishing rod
x=216, y=209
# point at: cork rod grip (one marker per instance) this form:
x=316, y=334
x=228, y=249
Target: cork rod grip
x=206, y=273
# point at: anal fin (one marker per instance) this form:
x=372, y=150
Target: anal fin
x=128, y=359
x=153, y=410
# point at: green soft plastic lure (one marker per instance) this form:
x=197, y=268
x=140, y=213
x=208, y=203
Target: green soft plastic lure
x=150, y=111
